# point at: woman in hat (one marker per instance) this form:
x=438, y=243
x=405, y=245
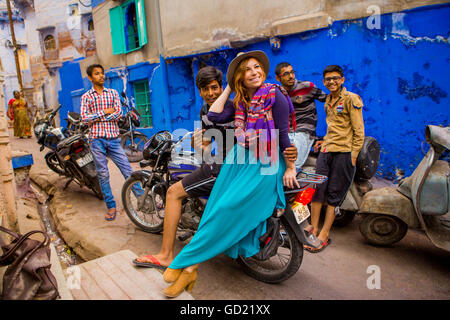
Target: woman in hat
x=250, y=183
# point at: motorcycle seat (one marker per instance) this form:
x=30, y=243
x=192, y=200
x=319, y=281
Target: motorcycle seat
x=74, y=117
x=68, y=141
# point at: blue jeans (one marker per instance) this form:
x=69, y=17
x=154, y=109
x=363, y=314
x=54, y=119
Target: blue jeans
x=303, y=142
x=102, y=148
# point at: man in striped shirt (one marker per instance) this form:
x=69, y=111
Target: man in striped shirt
x=303, y=95
x=101, y=109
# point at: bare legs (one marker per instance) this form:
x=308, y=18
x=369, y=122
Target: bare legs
x=328, y=223
x=175, y=195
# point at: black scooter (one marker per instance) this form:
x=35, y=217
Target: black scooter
x=69, y=155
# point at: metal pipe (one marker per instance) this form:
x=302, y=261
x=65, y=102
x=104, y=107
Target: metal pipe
x=162, y=63
x=16, y=55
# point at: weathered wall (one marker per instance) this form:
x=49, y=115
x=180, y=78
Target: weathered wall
x=198, y=26
x=73, y=40
x=104, y=43
x=398, y=63
x=6, y=51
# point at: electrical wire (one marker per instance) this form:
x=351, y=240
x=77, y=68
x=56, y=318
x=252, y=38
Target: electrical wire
x=84, y=5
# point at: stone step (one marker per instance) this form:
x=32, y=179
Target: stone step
x=114, y=277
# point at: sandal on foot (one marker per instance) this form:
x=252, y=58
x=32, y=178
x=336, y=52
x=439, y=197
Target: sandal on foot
x=153, y=264
x=110, y=216
x=322, y=246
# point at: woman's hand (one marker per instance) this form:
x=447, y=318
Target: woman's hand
x=290, y=178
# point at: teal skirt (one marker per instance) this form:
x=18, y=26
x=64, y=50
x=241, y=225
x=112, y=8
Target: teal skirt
x=245, y=194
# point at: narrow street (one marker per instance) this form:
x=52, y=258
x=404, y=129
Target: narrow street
x=411, y=269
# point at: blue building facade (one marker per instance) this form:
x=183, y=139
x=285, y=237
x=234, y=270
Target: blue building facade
x=400, y=70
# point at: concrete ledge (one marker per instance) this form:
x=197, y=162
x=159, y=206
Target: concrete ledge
x=299, y=24
x=113, y=277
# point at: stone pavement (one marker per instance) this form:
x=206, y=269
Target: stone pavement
x=113, y=278
x=411, y=269
x=79, y=219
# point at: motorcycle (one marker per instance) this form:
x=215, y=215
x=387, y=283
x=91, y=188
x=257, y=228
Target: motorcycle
x=366, y=166
x=281, y=248
x=420, y=201
x=69, y=154
x=131, y=140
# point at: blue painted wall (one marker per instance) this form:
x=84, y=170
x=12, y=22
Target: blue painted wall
x=95, y=3
x=400, y=71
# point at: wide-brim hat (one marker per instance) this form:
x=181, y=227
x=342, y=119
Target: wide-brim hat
x=257, y=54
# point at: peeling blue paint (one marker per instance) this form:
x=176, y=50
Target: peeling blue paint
x=416, y=89
x=400, y=71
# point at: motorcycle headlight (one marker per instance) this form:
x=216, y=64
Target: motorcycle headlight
x=38, y=129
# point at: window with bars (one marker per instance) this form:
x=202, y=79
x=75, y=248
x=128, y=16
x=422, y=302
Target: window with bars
x=142, y=102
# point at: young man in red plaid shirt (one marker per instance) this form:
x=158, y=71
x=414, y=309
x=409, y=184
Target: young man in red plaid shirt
x=101, y=109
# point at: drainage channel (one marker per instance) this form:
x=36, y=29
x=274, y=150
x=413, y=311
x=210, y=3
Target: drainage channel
x=65, y=253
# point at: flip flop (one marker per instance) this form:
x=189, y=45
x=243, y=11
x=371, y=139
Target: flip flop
x=153, y=264
x=323, y=245
x=110, y=216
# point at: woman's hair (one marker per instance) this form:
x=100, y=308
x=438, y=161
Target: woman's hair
x=238, y=81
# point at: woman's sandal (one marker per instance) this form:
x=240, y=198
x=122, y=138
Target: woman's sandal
x=186, y=280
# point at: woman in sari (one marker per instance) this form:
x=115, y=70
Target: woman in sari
x=22, y=125
x=250, y=183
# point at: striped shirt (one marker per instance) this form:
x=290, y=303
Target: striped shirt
x=303, y=95
x=92, y=108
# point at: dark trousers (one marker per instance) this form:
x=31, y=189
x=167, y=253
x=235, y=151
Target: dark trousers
x=337, y=166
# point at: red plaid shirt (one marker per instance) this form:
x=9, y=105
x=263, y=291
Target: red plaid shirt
x=92, y=108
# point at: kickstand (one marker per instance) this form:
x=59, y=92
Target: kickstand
x=67, y=184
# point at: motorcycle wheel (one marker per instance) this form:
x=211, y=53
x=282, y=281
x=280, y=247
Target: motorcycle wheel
x=283, y=265
x=145, y=217
x=53, y=163
x=382, y=230
x=344, y=218
x=133, y=152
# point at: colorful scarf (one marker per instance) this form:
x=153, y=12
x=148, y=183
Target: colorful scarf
x=256, y=131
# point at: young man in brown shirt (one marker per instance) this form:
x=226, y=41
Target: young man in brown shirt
x=338, y=150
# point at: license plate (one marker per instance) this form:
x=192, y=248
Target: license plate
x=301, y=212
x=85, y=160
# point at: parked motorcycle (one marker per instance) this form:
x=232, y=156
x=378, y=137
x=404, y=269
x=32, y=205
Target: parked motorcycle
x=366, y=166
x=281, y=251
x=132, y=141
x=69, y=155
x=421, y=201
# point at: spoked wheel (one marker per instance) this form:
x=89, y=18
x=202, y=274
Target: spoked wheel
x=142, y=211
x=53, y=163
x=382, y=230
x=283, y=265
x=133, y=148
